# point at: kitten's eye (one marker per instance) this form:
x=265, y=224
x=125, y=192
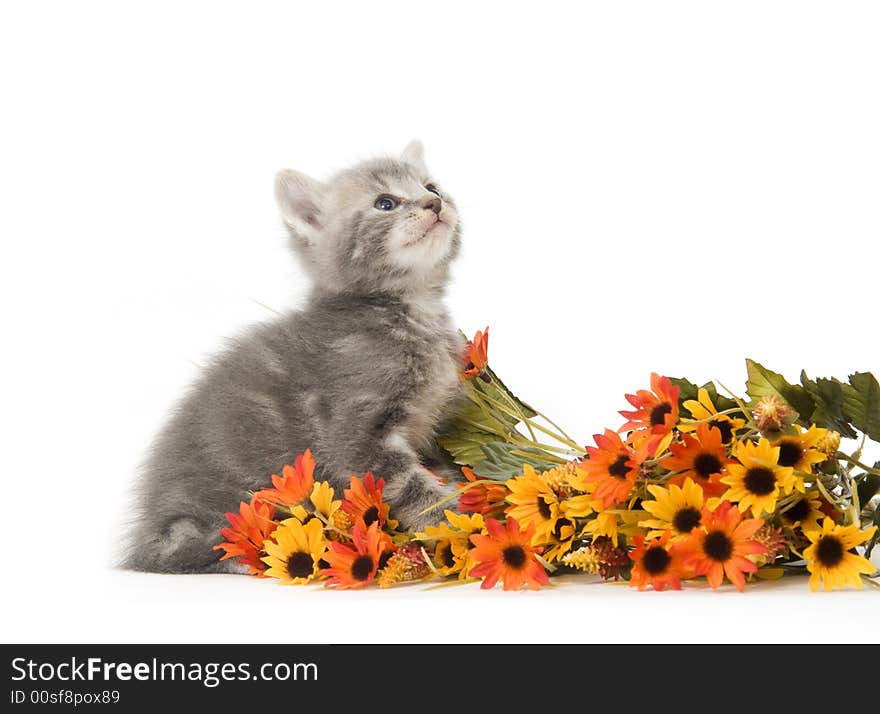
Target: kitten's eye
x=432, y=188
x=386, y=203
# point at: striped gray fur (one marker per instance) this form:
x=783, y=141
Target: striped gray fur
x=365, y=374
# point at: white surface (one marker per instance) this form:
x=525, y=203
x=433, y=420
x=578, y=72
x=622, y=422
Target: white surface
x=644, y=186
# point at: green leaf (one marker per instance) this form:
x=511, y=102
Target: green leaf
x=464, y=446
x=871, y=543
x=721, y=402
x=500, y=464
x=472, y=428
x=762, y=381
x=497, y=390
x=861, y=403
x=687, y=389
x=869, y=486
x=827, y=395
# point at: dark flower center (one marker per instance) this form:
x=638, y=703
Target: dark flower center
x=362, y=567
x=717, y=546
x=469, y=366
x=300, y=564
x=384, y=558
x=658, y=413
x=829, y=551
x=543, y=508
x=619, y=469
x=371, y=515
x=514, y=556
x=656, y=560
x=686, y=519
x=790, y=452
x=725, y=427
x=560, y=524
x=447, y=557
x=760, y=481
x=797, y=512
x=707, y=464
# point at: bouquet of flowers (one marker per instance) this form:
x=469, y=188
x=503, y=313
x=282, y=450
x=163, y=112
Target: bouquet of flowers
x=694, y=484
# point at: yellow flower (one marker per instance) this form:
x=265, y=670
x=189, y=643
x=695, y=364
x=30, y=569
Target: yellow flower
x=675, y=509
x=805, y=512
x=604, y=524
x=577, y=506
x=829, y=444
x=703, y=408
x=584, y=558
x=758, y=480
x=322, y=500
x=466, y=523
x=445, y=559
x=533, y=503
x=828, y=558
x=565, y=534
x=456, y=525
x=799, y=450
x=297, y=549
x=613, y=524
x=452, y=541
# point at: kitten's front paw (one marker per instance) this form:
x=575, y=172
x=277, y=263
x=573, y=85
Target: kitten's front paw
x=422, y=500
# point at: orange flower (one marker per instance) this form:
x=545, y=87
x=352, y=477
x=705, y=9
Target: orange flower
x=364, y=500
x=354, y=566
x=251, y=526
x=703, y=458
x=486, y=498
x=655, y=564
x=476, y=355
x=294, y=484
x=722, y=545
x=506, y=553
x=657, y=410
x=611, y=468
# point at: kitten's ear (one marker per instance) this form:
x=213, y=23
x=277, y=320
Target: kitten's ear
x=300, y=199
x=414, y=155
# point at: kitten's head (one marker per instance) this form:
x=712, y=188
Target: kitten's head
x=382, y=225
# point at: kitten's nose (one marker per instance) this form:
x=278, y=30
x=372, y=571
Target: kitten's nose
x=432, y=202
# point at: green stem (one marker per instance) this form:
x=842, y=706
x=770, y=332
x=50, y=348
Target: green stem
x=519, y=412
x=711, y=417
x=556, y=426
x=549, y=457
x=856, y=462
x=740, y=403
x=530, y=424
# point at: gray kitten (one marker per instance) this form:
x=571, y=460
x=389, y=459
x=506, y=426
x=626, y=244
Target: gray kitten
x=365, y=375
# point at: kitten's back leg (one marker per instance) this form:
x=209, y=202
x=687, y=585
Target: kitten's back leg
x=181, y=544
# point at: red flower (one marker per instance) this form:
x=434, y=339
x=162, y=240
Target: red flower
x=721, y=545
x=506, y=554
x=611, y=467
x=364, y=500
x=486, y=498
x=476, y=355
x=655, y=411
x=251, y=526
x=295, y=483
x=655, y=564
x=354, y=566
x=703, y=458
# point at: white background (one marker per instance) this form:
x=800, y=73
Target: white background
x=644, y=186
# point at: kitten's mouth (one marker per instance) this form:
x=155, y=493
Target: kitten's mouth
x=429, y=232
